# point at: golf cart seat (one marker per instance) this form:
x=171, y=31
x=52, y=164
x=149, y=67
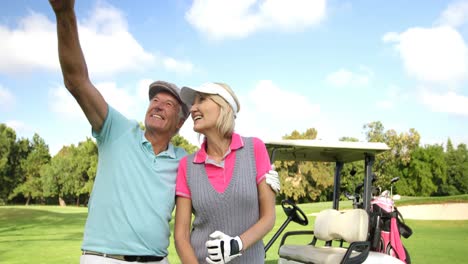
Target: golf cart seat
x=350, y=226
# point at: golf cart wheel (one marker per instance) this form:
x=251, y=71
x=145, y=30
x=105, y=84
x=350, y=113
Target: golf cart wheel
x=291, y=210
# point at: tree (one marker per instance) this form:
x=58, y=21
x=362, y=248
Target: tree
x=461, y=178
x=426, y=171
x=385, y=164
x=349, y=139
x=7, y=145
x=310, y=181
x=31, y=187
x=375, y=131
x=71, y=172
x=352, y=173
x=449, y=147
x=21, y=151
x=180, y=141
x=86, y=157
x=396, y=161
x=59, y=176
x=457, y=170
x=310, y=133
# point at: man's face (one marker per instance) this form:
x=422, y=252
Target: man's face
x=162, y=115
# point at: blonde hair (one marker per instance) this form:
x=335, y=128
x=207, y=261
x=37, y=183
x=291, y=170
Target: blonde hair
x=226, y=120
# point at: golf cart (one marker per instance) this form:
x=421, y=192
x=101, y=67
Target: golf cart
x=346, y=235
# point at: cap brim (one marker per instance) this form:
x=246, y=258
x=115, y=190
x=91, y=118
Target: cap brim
x=187, y=95
x=154, y=89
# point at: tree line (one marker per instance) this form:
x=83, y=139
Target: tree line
x=429, y=170
x=29, y=174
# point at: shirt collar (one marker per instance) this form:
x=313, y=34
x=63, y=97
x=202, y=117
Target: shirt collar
x=169, y=152
x=201, y=155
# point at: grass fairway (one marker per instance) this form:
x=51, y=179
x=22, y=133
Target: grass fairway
x=41, y=234
x=437, y=241
x=50, y=234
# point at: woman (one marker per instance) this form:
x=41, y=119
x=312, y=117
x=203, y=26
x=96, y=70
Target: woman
x=223, y=185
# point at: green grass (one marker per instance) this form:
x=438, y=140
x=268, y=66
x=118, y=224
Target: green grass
x=41, y=234
x=51, y=234
x=437, y=241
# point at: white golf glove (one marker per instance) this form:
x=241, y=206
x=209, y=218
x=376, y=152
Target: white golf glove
x=272, y=179
x=222, y=248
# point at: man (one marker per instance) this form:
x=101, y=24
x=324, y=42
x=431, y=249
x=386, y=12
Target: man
x=133, y=194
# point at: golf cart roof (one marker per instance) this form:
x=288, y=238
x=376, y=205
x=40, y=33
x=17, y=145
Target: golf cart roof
x=319, y=150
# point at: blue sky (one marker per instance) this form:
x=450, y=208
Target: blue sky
x=296, y=64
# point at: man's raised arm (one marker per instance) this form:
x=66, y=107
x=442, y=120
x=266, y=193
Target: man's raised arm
x=73, y=64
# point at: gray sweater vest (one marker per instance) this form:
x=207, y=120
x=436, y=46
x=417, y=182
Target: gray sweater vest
x=231, y=212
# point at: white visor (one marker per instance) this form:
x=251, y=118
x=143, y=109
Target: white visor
x=187, y=94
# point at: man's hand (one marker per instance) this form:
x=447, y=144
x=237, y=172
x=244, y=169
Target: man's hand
x=62, y=5
x=222, y=248
x=272, y=179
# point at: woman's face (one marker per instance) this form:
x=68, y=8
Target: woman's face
x=205, y=113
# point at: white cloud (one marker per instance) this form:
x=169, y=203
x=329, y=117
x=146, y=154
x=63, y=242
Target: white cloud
x=31, y=45
x=343, y=78
x=119, y=98
x=177, y=66
x=7, y=99
x=270, y=112
x=432, y=54
x=449, y=102
x=142, y=89
x=63, y=103
x=438, y=58
x=293, y=14
x=270, y=99
x=108, y=46
x=455, y=15
x=19, y=126
x=220, y=19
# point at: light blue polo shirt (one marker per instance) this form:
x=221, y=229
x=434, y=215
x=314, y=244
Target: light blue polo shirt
x=133, y=194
